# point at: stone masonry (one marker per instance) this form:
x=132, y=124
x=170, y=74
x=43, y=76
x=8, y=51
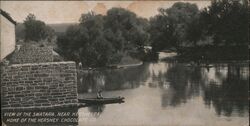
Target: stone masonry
x=32, y=54
x=38, y=85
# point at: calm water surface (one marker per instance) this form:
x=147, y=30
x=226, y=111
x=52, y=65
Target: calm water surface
x=165, y=93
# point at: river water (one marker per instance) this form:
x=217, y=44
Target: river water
x=168, y=93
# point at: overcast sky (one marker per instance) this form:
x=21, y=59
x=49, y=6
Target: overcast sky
x=70, y=11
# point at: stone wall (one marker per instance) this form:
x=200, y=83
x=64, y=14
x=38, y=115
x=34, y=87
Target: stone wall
x=32, y=54
x=38, y=85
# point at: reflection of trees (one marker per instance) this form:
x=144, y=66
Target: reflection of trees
x=125, y=78
x=88, y=81
x=96, y=110
x=231, y=95
x=225, y=86
x=184, y=82
x=114, y=79
x=227, y=93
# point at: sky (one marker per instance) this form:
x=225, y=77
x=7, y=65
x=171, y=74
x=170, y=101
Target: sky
x=53, y=12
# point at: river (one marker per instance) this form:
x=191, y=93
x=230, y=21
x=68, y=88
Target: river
x=168, y=93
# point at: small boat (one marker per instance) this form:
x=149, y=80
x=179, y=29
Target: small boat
x=101, y=100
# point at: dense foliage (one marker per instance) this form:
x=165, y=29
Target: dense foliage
x=36, y=30
x=169, y=28
x=102, y=40
x=227, y=22
x=221, y=28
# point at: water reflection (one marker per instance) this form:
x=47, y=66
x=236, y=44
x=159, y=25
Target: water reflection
x=231, y=94
x=184, y=84
x=226, y=88
x=116, y=79
x=223, y=87
x=96, y=110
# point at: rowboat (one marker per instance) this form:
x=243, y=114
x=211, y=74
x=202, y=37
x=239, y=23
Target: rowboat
x=101, y=100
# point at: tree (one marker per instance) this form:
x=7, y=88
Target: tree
x=227, y=22
x=49, y=33
x=194, y=31
x=97, y=50
x=102, y=40
x=182, y=15
x=36, y=30
x=67, y=44
x=87, y=43
x=170, y=27
x=162, y=33
x=222, y=28
x=130, y=28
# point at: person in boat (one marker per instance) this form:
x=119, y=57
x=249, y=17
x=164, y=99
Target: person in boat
x=99, y=94
x=80, y=65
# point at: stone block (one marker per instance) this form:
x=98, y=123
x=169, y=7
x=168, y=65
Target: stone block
x=39, y=84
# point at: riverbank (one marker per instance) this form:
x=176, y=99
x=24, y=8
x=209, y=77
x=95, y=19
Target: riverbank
x=201, y=59
x=126, y=61
x=214, y=53
x=202, y=62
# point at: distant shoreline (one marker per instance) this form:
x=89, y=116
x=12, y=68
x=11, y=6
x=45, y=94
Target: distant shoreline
x=117, y=66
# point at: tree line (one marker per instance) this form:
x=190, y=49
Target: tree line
x=100, y=40
x=219, y=31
